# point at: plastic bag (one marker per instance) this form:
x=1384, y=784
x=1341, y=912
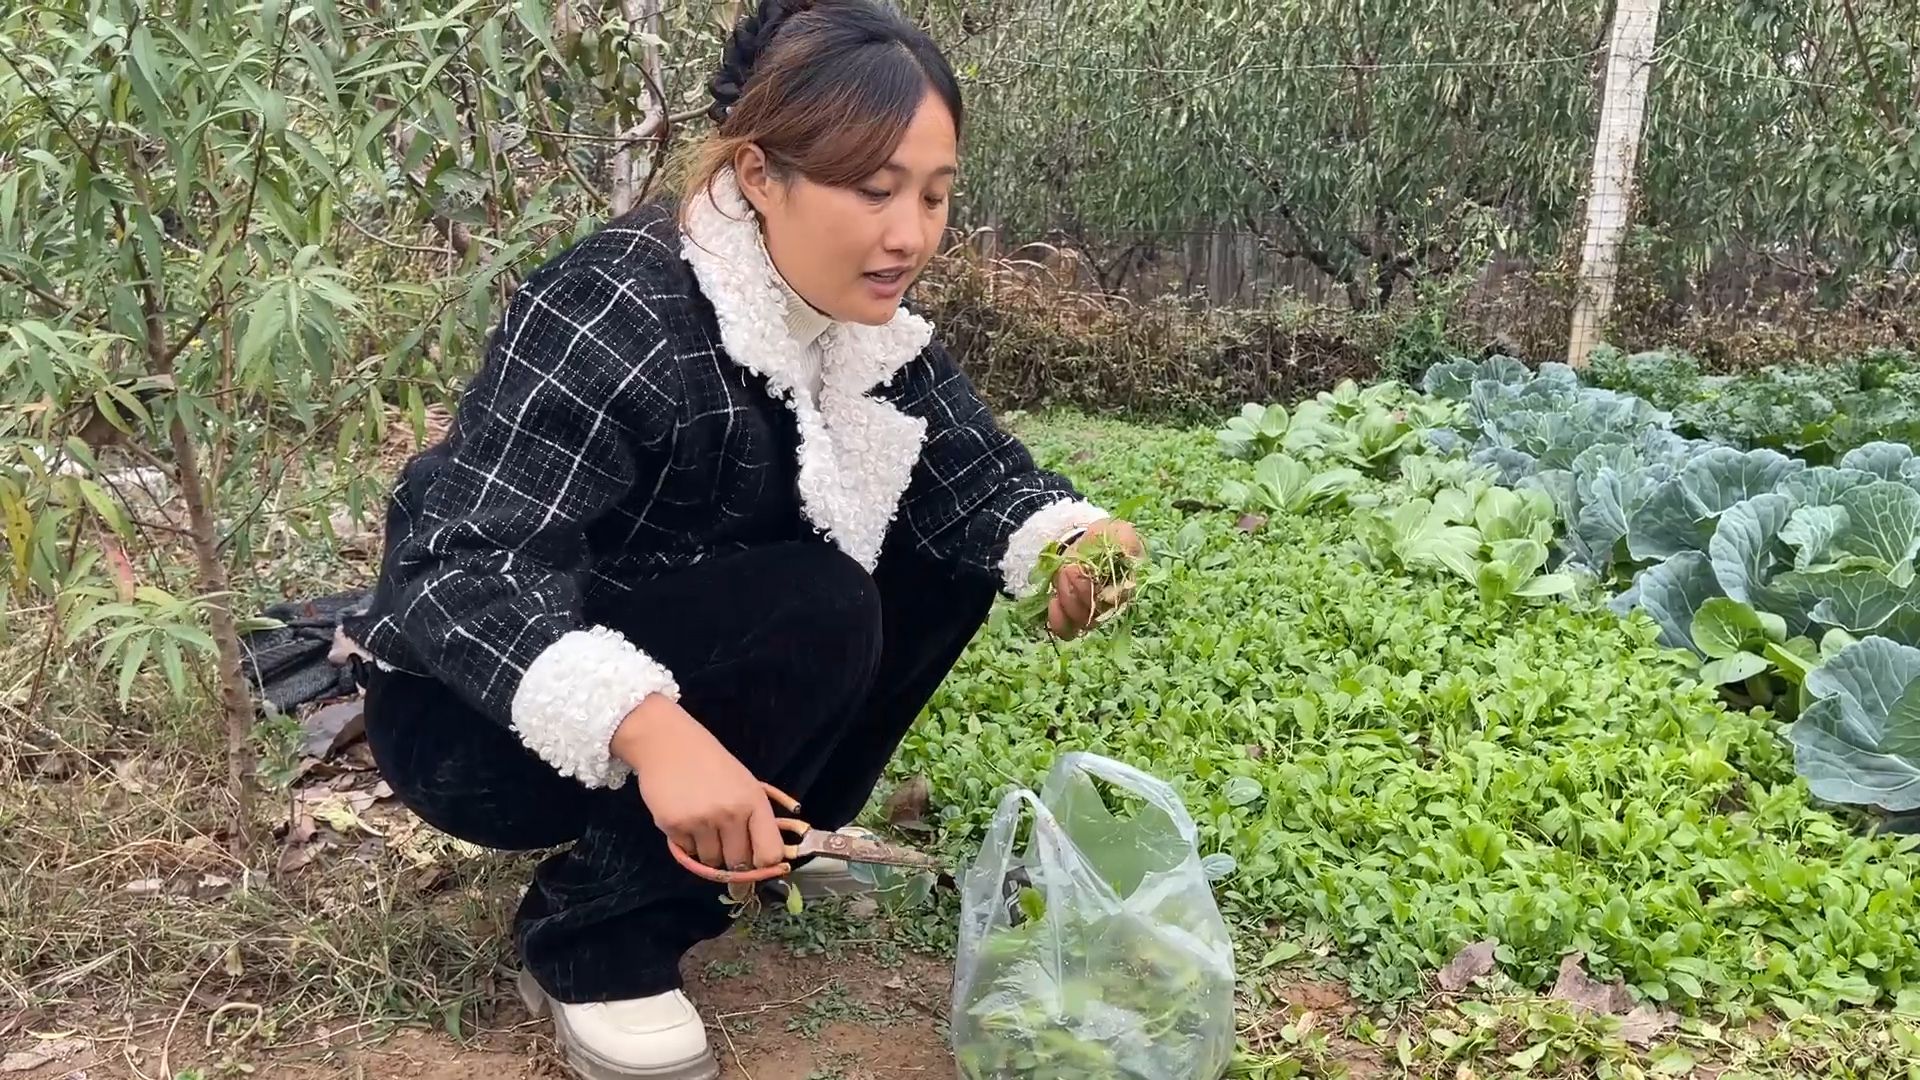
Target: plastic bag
x=1099, y=952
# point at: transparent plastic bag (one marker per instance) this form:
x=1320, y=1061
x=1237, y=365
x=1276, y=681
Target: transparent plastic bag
x=1098, y=953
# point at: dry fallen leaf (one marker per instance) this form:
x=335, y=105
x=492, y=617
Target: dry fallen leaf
x=1577, y=988
x=130, y=771
x=303, y=842
x=428, y=879
x=1467, y=965
x=42, y=1053
x=328, y=729
x=212, y=885
x=295, y=857
x=359, y=756
x=1644, y=1025
x=907, y=806
x=341, y=813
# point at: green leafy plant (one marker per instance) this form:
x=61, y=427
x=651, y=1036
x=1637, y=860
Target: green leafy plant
x=1396, y=770
x=1816, y=413
x=1285, y=485
x=1371, y=429
x=1803, y=562
x=1256, y=432
x=1492, y=537
x=212, y=227
x=1521, y=421
x=1859, y=739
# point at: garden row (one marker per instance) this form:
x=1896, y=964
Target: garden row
x=1376, y=655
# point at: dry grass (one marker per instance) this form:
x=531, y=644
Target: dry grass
x=119, y=891
x=1031, y=337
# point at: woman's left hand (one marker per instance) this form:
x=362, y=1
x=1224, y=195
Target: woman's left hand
x=1072, y=609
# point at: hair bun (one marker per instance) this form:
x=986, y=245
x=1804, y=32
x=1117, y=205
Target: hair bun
x=748, y=42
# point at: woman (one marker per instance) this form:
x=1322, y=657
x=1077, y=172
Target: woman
x=716, y=510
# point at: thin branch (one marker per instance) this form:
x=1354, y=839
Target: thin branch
x=65, y=124
x=48, y=297
x=673, y=120
x=1888, y=118
x=416, y=249
x=186, y=339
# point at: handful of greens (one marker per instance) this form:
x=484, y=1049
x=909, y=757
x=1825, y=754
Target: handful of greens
x=1098, y=953
x=1112, y=569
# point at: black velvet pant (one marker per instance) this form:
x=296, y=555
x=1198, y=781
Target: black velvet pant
x=805, y=667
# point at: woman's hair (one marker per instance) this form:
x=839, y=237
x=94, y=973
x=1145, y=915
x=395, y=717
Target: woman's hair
x=825, y=88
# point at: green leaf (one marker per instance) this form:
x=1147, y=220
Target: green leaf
x=1665, y=524
x=1794, y=657
x=1724, y=627
x=1242, y=790
x=1525, y=1060
x=1738, y=667
x=264, y=325
x=1882, y=521
x=1857, y=600
x=194, y=636
x=1859, y=741
x=150, y=76
x=1547, y=585
x=1748, y=559
x=171, y=665
x=1525, y=556
x=1722, y=478
x=1423, y=537
x=1673, y=1060
x=1811, y=530
x=533, y=15
x=104, y=505
x=1823, y=485
x=1883, y=459
x=1496, y=580
x=130, y=661
x=1671, y=593
x=1032, y=905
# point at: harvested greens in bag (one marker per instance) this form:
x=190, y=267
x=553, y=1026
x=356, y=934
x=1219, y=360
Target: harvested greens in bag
x=1097, y=953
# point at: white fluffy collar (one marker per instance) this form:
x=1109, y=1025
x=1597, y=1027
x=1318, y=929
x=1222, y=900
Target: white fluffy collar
x=856, y=452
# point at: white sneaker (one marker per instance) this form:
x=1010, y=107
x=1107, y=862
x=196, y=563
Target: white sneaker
x=659, y=1037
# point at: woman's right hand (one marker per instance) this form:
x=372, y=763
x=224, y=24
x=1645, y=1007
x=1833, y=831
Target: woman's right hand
x=700, y=795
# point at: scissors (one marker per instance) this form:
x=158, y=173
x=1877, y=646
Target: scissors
x=812, y=841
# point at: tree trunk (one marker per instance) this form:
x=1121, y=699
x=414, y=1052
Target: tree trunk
x=632, y=172
x=235, y=701
x=1616, y=148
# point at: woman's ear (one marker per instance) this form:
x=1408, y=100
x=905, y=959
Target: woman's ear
x=755, y=179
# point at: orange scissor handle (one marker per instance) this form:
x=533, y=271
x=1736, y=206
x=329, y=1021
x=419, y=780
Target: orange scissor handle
x=764, y=873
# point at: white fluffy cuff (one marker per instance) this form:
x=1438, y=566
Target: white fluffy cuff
x=573, y=697
x=1051, y=523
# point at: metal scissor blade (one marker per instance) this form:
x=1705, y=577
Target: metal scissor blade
x=836, y=845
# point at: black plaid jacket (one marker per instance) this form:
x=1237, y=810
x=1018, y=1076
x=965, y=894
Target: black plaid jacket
x=642, y=407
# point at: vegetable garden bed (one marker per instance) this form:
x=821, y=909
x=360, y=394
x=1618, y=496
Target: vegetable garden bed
x=1381, y=653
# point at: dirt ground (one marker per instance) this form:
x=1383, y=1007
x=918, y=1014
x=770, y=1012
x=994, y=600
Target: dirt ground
x=856, y=1013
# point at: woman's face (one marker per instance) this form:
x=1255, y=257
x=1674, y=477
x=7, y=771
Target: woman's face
x=852, y=252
